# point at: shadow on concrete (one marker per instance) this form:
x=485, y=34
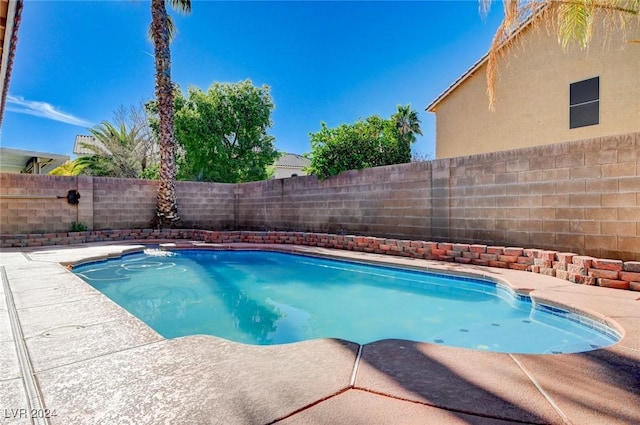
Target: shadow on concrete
x=465, y=381
x=596, y=387
x=600, y=386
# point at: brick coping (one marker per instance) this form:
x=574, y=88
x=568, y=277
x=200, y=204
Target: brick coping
x=564, y=265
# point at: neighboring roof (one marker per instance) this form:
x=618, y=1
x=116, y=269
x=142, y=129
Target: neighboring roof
x=481, y=61
x=78, y=147
x=293, y=160
x=10, y=11
x=16, y=160
x=81, y=150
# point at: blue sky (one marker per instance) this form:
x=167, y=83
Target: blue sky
x=77, y=61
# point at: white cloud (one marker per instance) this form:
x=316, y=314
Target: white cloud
x=20, y=105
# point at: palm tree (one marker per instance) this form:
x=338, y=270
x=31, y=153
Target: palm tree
x=574, y=20
x=115, y=151
x=408, y=123
x=166, y=214
x=69, y=168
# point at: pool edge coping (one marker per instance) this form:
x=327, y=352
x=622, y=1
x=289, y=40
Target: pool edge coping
x=484, y=273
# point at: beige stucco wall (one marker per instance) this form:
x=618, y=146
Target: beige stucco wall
x=533, y=96
x=284, y=172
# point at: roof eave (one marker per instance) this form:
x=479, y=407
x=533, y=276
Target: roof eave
x=467, y=74
x=9, y=50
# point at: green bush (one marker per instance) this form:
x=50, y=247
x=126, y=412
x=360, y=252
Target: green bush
x=78, y=227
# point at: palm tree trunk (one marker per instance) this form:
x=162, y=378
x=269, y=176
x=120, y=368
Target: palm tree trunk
x=166, y=214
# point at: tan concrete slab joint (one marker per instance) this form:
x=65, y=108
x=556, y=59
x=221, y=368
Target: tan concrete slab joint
x=546, y=395
x=36, y=408
x=352, y=383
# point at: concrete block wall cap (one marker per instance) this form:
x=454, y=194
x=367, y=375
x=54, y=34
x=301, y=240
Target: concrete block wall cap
x=631, y=266
x=565, y=256
x=605, y=264
x=582, y=260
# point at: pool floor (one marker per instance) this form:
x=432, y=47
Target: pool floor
x=95, y=363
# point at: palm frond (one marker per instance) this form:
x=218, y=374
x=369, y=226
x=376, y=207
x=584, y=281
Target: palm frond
x=496, y=51
x=69, y=168
x=575, y=23
x=576, y=19
x=407, y=122
x=182, y=6
x=631, y=7
x=484, y=6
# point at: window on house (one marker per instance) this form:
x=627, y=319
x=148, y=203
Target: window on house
x=584, y=103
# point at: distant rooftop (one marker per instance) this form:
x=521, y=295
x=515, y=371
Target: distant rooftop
x=80, y=149
x=29, y=162
x=291, y=165
x=292, y=160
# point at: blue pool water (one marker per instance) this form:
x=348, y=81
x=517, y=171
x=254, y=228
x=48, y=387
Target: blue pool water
x=267, y=298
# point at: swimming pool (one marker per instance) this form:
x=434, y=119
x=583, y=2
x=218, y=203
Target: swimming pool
x=258, y=297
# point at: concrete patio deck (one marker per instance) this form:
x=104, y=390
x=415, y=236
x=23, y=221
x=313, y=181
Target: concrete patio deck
x=91, y=362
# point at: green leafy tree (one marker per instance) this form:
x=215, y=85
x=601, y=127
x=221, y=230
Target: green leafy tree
x=97, y=165
x=574, y=20
x=223, y=133
x=151, y=173
x=166, y=214
x=369, y=143
x=272, y=169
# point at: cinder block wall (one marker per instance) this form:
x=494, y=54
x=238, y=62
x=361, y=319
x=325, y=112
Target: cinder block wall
x=30, y=203
x=121, y=203
x=581, y=197
x=387, y=201
x=204, y=205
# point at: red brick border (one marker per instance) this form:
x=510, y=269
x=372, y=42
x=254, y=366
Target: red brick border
x=564, y=265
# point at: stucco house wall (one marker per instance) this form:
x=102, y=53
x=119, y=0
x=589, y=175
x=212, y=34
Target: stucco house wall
x=532, y=106
x=290, y=165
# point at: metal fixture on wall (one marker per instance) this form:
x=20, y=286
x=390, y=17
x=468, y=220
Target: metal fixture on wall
x=73, y=197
